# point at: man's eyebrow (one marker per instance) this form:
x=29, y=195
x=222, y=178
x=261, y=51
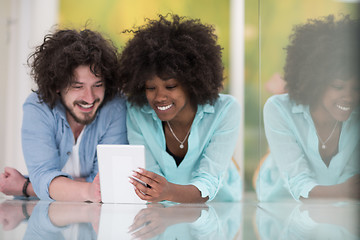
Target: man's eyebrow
x=76, y=82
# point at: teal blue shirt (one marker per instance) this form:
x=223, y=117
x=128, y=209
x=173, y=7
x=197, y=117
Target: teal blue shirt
x=294, y=165
x=207, y=163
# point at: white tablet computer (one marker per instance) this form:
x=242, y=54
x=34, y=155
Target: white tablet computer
x=116, y=163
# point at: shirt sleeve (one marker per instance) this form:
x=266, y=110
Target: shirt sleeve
x=39, y=147
x=282, y=134
x=215, y=160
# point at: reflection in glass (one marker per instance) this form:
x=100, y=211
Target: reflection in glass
x=14, y=212
x=313, y=129
x=325, y=220
x=170, y=221
x=63, y=220
x=81, y=220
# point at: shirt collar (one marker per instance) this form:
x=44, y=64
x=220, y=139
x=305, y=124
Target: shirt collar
x=59, y=109
x=299, y=108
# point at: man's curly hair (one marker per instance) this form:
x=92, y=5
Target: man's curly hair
x=54, y=61
x=179, y=48
x=319, y=52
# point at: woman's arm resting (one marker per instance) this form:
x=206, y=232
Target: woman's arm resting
x=348, y=189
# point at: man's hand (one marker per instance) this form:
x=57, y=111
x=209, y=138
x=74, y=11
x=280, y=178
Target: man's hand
x=11, y=182
x=95, y=192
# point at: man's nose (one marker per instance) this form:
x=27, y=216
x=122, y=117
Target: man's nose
x=89, y=95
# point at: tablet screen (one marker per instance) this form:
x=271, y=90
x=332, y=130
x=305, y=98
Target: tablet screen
x=116, y=163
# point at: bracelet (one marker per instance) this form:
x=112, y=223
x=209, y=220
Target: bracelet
x=24, y=210
x=25, y=186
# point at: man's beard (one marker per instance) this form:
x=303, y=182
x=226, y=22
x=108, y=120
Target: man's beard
x=87, y=119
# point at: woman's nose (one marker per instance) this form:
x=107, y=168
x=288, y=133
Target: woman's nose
x=160, y=95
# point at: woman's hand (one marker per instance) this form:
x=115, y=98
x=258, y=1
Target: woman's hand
x=156, y=218
x=149, y=222
x=158, y=188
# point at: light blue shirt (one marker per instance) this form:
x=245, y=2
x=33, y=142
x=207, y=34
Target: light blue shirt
x=294, y=166
x=47, y=140
x=211, y=143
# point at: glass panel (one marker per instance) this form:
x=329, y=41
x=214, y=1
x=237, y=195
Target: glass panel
x=308, y=65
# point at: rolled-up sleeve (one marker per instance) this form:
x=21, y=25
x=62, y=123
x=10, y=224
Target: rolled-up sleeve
x=40, y=151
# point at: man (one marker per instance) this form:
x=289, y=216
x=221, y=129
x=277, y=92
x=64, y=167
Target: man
x=74, y=108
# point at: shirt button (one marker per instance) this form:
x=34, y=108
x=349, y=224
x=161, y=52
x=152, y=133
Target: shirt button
x=68, y=153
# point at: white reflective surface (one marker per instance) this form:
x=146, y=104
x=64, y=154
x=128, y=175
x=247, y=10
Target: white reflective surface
x=321, y=219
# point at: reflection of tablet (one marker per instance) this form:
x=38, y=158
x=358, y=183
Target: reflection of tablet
x=116, y=163
x=115, y=220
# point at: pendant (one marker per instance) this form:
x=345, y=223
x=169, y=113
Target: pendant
x=323, y=146
x=181, y=146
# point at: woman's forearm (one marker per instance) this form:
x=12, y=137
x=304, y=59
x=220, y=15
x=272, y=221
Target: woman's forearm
x=185, y=194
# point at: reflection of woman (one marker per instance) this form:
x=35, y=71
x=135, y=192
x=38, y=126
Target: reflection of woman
x=313, y=131
x=173, y=74
x=178, y=221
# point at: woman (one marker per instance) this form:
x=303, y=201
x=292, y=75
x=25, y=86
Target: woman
x=313, y=130
x=173, y=75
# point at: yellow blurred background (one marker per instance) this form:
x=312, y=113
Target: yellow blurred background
x=111, y=17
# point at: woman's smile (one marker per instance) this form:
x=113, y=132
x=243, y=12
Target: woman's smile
x=164, y=108
x=343, y=108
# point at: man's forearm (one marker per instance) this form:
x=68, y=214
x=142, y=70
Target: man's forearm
x=65, y=189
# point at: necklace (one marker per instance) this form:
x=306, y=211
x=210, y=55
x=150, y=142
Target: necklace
x=181, y=142
x=323, y=146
